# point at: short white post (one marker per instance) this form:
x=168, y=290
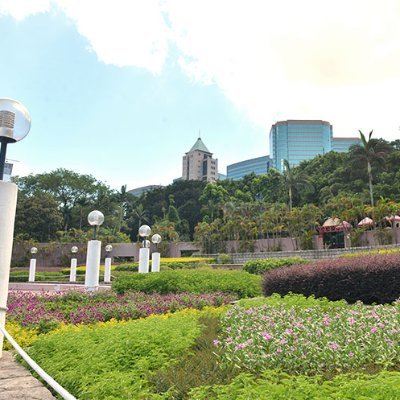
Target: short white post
x=8, y=205
x=107, y=270
x=32, y=270
x=72, y=275
x=92, y=265
x=155, y=262
x=144, y=255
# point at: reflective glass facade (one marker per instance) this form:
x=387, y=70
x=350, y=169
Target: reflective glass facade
x=259, y=166
x=342, y=145
x=299, y=140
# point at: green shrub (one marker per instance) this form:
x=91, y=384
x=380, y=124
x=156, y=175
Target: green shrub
x=112, y=360
x=224, y=259
x=260, y=266
x=192, y=281
x=22, y=276
x=383, y=386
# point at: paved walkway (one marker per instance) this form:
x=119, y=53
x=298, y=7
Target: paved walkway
x=51, y=287
x=16, y=382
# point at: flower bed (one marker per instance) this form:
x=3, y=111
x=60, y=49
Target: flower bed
x=312, y=340
x=46, y=310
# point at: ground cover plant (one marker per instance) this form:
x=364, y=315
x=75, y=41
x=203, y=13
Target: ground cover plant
x=239, y=283
x=260, y=266
x=312, y=340
x=274, y=385
x=240, y=351
x=46, y=310
x=112, y=360
x=370, y=279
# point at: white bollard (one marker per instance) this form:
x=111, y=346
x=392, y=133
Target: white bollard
x=144, y=255
x=107, y=270
x=72, y=275
x=93, y=265
x=32, y=270
x=8, y=205
x=155, y=262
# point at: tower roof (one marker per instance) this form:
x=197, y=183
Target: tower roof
x=199, y=145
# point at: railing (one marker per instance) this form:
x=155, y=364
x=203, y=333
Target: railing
x=44, y=375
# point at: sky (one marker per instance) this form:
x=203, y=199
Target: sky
x=121, y=89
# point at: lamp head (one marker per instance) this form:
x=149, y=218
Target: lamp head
x=109, y=248
x=144, y=231
x=95, y=218
x=156, y=238
x=74, y=249
x=15, y=121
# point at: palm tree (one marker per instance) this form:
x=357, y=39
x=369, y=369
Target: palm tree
x=368, y=152
x=142, y=215
x=294, y=179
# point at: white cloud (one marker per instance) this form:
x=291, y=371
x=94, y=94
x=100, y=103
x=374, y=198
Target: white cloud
x=338, y=61
x=20, y=9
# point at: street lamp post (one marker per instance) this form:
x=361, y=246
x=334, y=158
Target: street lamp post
x=32, y=265
x=15, y=123
x=95, y=218
x=107, y=264
x=144, y=252
x=155, y=256
x=74, y=263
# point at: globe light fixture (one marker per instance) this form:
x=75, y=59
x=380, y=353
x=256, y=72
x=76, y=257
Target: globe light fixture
x=144, y=231
x=15, y=123
x=107, y=264
x=74, y=263
x=155, y=264
x=156, y=239
x=34, y=250
x=95, y=218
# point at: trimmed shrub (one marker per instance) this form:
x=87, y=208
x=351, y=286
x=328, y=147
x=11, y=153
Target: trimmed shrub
x=370, y=279
x=260, y=266
x=22, y=276
x=192, y=281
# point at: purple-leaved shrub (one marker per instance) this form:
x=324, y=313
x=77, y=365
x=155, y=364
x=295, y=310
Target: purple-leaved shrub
x=370, y=279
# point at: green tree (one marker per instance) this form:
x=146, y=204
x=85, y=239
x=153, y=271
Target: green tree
x=293, y=179
x=37, y=217
x=370, y=151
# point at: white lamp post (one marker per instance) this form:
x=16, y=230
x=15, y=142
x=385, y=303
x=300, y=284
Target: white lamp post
x=144, y=252
x=155, y=256
x=95, y=218
x=74, y=263
x=32, y=265
x=107, y=264
x=15, y=123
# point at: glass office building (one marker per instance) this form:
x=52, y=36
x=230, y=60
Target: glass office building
x=259, y=166
x=298, y=140
x=343, y=144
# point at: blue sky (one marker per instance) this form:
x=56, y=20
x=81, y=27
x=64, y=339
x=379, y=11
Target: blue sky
x=120, y=90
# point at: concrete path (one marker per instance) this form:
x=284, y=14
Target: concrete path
x=16, y=382
x=51, y=287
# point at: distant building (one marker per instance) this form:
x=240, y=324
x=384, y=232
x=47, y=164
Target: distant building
x=198, y=164
x=299, y=140
x=8, y=167
x=258, y=166
x=137, y=192
x=343, y=144
x=222, y=177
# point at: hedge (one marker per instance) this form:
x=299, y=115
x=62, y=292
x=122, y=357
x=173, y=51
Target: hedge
x=192, y=281
x=370, y=279
x=261, y=266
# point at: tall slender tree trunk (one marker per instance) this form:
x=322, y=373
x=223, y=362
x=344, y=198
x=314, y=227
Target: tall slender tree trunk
x=290, y=198
x=370, y=182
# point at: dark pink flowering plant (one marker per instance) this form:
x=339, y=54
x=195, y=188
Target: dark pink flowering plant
x=48, y=309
